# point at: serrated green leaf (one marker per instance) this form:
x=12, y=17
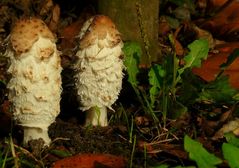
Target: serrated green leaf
x=198, y=52
x=199, y=154
x=231, y=154
x=218, y=91
x=232, y=139
x=132, y=52
x=156, y=74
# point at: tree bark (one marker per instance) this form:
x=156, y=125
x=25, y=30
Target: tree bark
x=137, y=20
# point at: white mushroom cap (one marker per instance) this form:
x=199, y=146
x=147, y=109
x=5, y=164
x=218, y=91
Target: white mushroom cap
x=35, y=86
x=99, y=65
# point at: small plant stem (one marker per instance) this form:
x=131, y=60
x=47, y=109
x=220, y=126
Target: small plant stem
x=165, y=103
x=145, y=156
x=5, y=158
x=150, y=108
x=142, y=31
x=145, y=103
x=132, y=153
x=126, y=117
x=175, y=69
x=13, y=153
x=131, y=130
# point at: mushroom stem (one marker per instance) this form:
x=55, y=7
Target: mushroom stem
x=31, y=133
x=97, y=116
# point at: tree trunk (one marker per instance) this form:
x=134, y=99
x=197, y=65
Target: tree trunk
x=137, y=20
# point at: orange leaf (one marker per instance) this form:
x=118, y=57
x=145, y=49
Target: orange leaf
x=91, y=161
x=226, y=21
x=69, y=33
x=210, y=67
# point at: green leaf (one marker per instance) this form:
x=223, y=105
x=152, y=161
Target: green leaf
x=218, y=90
x=188, y=3
x=173, y=23
x=199, y=154
x=60, y=153
x=2, y=82
x=184, y=167
x=132, y=52
x=156, y=74
x=232, y=139
x=231, y=154
x=198, y=52
x=161, y=166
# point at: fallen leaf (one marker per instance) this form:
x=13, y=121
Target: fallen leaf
x=91, y=161
x=177, y=45
x=69, y=34
x=205, y=35
x=55, y=18
x=229, y=127
x=226, y=22
x=46, y=7
x=211, y=67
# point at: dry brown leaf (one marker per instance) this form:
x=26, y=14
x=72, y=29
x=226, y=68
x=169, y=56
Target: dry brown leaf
x=55, y=18
x=177, y=45
x=46, y=7
x=229, y=127
x=205, y=35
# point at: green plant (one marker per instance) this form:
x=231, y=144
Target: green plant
x=133, y=54
x=4, y=157
x=164, y=79
x=200, y=155
x=172, y=88
x=204, y=159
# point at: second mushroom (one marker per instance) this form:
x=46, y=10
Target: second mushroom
x=99, y=68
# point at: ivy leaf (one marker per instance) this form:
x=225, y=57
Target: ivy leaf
x=199, y=154
x=156, y=74
x=218, y=90
x=132, y=52
x=231, y=153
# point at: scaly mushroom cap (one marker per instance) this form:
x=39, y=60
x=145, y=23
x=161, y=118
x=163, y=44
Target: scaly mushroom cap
x=26, y=32
x=99, y=28
x=35, y=86
x=99, y=65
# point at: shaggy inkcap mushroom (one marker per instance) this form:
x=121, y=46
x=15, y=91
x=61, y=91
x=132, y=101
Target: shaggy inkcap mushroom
x=35, y=86
x=99, y=68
